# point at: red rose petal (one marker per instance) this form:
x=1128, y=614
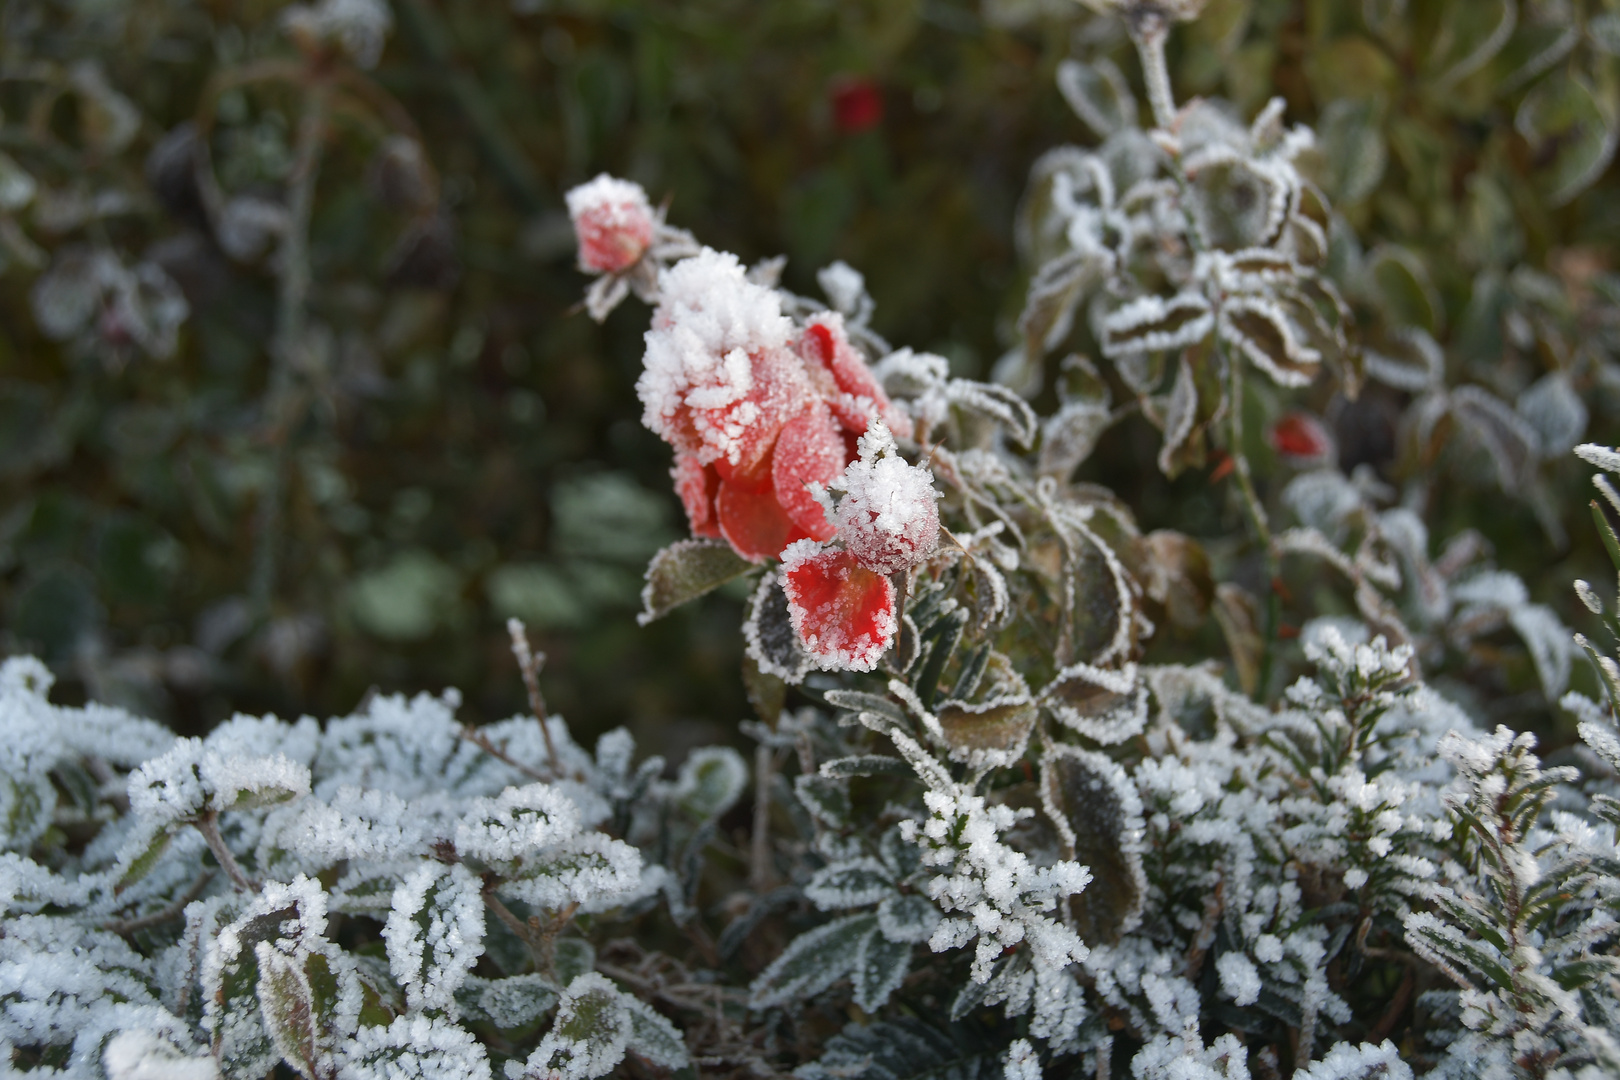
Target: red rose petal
x=753, y=523
x=844, y=613
x=825, y=345
x=809, y=450
x=697, y=484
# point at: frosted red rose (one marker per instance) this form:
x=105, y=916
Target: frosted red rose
x=761, y=414
x=613, y=222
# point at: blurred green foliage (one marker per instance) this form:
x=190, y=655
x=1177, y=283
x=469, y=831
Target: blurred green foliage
x=214, y=530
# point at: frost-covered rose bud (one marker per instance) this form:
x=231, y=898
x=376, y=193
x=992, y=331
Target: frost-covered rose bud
x=888, y=518
x=613, y=221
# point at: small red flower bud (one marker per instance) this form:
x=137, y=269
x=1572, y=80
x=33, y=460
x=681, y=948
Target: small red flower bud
x=613, y=222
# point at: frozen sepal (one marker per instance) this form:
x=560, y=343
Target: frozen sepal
x=843, y=612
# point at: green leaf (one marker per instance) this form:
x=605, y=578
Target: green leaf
x=653, y=1038
x=905, y=1049
x=880, y=968
x=685, y=571
x=593, y=1024
x=812, y=962
x=1402, y=287
x=994, y=731
x=1571, y=130
x=827, y=799
x=1098, y=94
x=142, y=862
x=711, y=780
x=866, y=765
x=1353, y=149
x=288, y=1006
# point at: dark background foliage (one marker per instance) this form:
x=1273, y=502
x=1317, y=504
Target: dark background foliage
x=465, y=445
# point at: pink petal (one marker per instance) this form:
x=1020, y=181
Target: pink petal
x=809, y=450
x=697, y=484
x=844, y=613
x=824, y=345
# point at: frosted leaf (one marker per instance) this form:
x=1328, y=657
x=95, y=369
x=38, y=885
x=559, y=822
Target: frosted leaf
x=357, y=26
x=1414, y=362
x=849, y=883
x=1098, y=815
x=594, y=871
x=1184, y=1057
x=888, y=518
x=435, y=933
x=812, y=962
x=844, y=613
x=589, y=1035
x=1552, y=407
x=1098, y=94
x=907, y=917
x=845, y=288
x=653, y=1038
x=993, y=732
x=1364, y=1062
x=1106, y=705
x=414, y=1048
x=880, y=966
x=1070, y=435
x=1550, y=643
x=1262, y=331
x=66, y=296
x=1601, y=456
x=287, y=1006
x=511, y=1003
x=17, y=186
x=1022, y=1063
x=517, y=823
x=1153, y=324
x=144, y=1055
x=1240, y=980
x=247, y=224
x=711, y=780
x=613, y=221
x=1589, y=597
x=1494, y=588
x=768, y=632
x=1513, y=445
x=357, y=824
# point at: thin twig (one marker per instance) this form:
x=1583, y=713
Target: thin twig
x=511, y=921
x=1257, y=517
x=1148, y=32
x=530, y=663
x=759, y=853
x=125, y=927
x=480, y=740
x=208, y=825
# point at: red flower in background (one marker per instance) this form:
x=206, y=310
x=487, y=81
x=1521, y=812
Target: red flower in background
x=1302, y=439
x=857, y=104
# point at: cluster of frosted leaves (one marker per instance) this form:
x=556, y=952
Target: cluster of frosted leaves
x=1173, y=241
x=91, y=296
x=136, y=956
x=1433, y=600
x=1206, y=854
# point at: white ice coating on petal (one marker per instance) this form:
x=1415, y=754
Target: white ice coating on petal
x=711, y=321
x=620, y=197
x=888, y=517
